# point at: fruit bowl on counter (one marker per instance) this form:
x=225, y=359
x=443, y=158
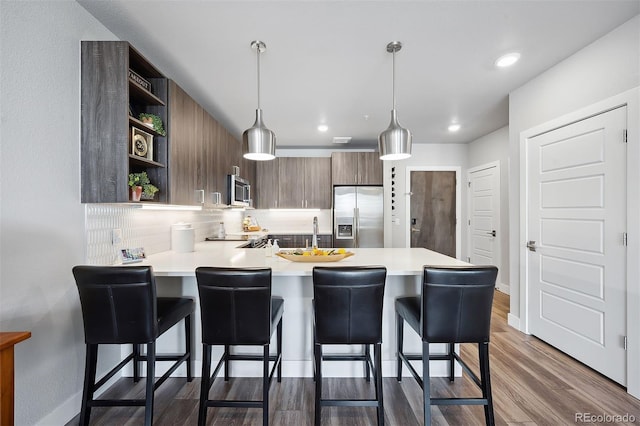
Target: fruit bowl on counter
x=314, y=255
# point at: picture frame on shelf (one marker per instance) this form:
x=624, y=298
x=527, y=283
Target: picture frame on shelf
x=141, y=144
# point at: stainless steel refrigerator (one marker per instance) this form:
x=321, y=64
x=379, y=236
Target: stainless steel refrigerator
x=358, y=216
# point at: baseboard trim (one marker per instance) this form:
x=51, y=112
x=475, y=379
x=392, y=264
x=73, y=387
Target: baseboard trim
x=503, y=287
x=513, y=321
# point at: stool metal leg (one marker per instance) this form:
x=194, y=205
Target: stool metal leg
x=89, y=380
x=265, y=386
x=452, y=365
x=377, y=350
x=279, y=349
x=204, y=385
x=367, y=354
x=318, y=363
x=187, y=345
x=227, y=363
x=136, y=362
x=483, y=350
x=399, y=339
x=151, y=363
x=426, y=382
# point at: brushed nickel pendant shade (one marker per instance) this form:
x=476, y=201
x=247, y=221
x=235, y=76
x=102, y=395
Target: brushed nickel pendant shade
x=395, y=142
x=259, y=142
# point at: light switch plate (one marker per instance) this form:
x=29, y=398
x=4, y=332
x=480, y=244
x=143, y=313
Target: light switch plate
x=116, y=236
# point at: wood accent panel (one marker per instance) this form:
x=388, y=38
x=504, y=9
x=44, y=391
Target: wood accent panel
x=532, y=383
x=433, y=207
x=104, y=141
x=7, y=379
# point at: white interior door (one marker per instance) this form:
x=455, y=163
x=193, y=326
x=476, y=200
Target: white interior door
x=484, y=216
x=576, y=194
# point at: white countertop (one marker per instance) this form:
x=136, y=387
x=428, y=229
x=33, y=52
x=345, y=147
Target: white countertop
x=399, y=261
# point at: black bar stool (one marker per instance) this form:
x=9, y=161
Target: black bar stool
x=237, y=309
x=455, y=307
x=119, y=306
x=347, y=310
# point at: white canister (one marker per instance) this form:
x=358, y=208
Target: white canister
x=183, y=237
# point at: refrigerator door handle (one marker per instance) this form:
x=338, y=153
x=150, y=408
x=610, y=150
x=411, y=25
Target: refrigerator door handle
x=356, y=219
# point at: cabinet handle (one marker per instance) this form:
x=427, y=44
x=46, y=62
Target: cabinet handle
x=200, y=196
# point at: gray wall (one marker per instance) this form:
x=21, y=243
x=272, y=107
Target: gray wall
x=42, y=220
x=607, y=67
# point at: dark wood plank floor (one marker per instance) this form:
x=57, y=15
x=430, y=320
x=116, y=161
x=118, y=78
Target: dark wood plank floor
x=533, y=384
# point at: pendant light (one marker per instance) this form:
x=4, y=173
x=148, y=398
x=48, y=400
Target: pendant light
x=395, y=142
x=259, y=142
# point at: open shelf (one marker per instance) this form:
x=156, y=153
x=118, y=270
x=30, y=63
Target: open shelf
x=140, y=125
x=143, y=96
x=143, y=162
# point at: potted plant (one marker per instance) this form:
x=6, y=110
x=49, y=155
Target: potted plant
x=154, y=120
x=140, y=187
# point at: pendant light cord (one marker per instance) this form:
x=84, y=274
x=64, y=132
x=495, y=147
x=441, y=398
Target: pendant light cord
x=258, y=61
x=393, y=79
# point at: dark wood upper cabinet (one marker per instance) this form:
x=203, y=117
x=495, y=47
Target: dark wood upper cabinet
x=317, y=183
x=293, y=182
x=110, y=103
x=356, y=168
x=186, y=147
x=291, y=174
x=265, y=187
x=369, y=168
x=201, y=152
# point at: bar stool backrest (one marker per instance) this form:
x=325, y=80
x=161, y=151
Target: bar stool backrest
x=456, y=303
x=235, y=305
x=348, y=304
x=118, y=303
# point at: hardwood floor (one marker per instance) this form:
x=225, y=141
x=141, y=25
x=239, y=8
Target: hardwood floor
x=533, y=384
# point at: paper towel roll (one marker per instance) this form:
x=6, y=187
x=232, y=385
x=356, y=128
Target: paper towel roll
x=183, y=238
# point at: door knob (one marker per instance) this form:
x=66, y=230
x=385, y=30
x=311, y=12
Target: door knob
x=415, y=229
x=492, y=233
x=531, y=245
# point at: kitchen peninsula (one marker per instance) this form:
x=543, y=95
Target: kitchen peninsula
x=175, y=275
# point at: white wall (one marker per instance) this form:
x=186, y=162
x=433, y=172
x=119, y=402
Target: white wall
x=602, y=69
x=487, y=149
x=42, y=220
x=423, y=155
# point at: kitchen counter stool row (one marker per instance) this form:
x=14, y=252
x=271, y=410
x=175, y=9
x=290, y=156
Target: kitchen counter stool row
x=120, y=306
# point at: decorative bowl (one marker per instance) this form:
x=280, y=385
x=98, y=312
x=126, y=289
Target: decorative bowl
x=313, y=259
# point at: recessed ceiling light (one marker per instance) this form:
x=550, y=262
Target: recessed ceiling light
x=323, y=128
x=507, y=60
x=454, y=127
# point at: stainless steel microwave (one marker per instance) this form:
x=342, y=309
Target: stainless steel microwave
x=239, y=191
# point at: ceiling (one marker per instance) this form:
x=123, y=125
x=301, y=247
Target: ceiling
x=326, y=61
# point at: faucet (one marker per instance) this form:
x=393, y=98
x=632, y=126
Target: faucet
x=314, y=241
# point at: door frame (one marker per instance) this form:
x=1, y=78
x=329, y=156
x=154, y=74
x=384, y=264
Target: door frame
x=499, y=285
x=458, y=172
x=630, y=99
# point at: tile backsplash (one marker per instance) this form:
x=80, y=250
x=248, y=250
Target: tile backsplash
x=150, y=229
